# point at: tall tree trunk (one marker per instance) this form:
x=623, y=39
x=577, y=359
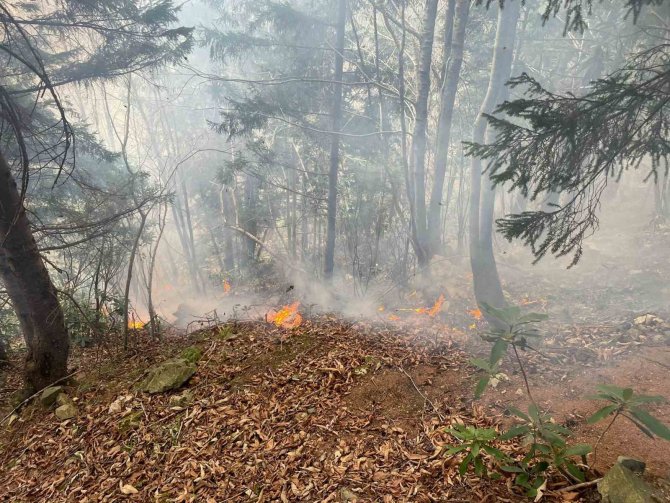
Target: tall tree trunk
x=30, y=290
x=420, y=126
x=448, y=98
x=250, y=217
x=329, y=259
x=487, y=285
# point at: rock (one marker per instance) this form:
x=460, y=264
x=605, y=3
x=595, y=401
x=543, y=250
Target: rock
x=63, y=399
x=620, y=485
x=131, y=422
x=634, y=465
x=49, y=395
x=184, y=399
x=192, y=354
x=171, y=374
x=66, y=411
x=347, y=495
x=648, y=320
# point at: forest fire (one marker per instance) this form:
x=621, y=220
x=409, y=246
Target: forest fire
x=226, y=286
x=287, y=317
x=136, y=324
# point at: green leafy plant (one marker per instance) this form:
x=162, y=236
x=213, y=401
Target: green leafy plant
x=624, y=402
x=545, y=440
x=547, y=446
x=509, y=328
x=476, y=441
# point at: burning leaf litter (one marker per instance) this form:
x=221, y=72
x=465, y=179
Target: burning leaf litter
x=287, y=317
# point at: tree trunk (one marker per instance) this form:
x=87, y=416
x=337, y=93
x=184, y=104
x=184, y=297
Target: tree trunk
x=448, y=98
x=487, y=285
x=420, y=126
x=329, y=260
x=30, y=290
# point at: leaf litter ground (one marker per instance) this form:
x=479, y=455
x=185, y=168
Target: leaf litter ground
x=328, y=411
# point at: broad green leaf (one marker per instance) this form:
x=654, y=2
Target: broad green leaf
x=578, y=450
x=474, y=449
x=497, y=351
x=627, y=394
x=602, y=414
x=533, y=318
x=521, y=479
x=454, y=450
x=552, y=437
x=512, y=469
x=515, y=431
x=575, y=471
x=463, y=467
x=481, y=386
x=481, y=363
x=496, y=453
x=534, y=413
x=610, y=390
x=656, y=426
x=479, y=466
x=518, y=413
x=649, y=399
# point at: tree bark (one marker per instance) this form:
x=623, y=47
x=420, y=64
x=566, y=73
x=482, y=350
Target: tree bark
x=486, y=280
x=329, y=259
x=448, y=98
x=420, y=127
x=30, y=290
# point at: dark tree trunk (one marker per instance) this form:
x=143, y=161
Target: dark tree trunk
x=420, y=126
x=329, y=261
x=448, y=98
x=30, y=290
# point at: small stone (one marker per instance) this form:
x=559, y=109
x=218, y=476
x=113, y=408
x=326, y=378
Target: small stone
x=182, y=400
x=620, y=485
x=63, y=399
x=50, y=395
x=634, y=465
x=347, y=495
x=131, y=422
x=67, y=411
x=171, y=374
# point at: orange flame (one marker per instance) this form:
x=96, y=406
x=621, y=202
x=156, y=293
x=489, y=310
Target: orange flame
x=287, y=317
x=135, y=324
x=476, y=314
x=432, y=311
x=226, y=286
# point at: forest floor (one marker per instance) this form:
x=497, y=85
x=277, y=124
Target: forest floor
x=329, y=411
x=355, y=408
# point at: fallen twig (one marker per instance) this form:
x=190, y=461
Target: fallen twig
x=437, y=411
x=581, y=485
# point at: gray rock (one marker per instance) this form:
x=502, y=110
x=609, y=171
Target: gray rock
x=66, y=411
x=49, y=396
x=184, y=399
x=171, y=374
x=634, y=465
x=347, y=495
x=63, y=399
x=620, y=485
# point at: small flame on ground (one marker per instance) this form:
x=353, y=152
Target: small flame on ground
x=431, y=311
x=287, y=317
x=476, y=314
x=226, y=286
x=135, y=324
